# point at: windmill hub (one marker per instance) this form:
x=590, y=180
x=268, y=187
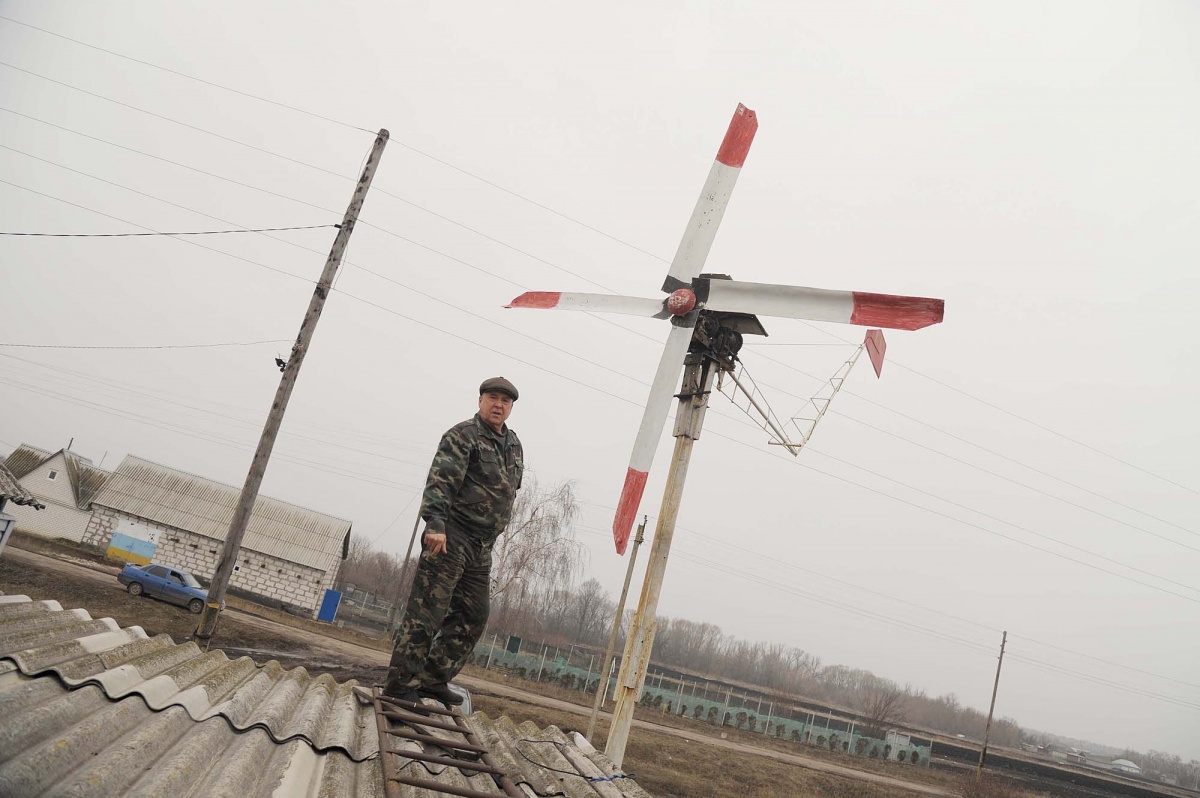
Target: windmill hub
x=681, y=302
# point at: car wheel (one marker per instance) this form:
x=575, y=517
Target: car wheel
x=135, y=589
x=195, y=606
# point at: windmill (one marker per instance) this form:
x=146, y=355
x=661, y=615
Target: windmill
x=709, y=316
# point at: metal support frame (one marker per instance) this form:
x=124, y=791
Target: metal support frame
x=470, y=755
x=822, y=403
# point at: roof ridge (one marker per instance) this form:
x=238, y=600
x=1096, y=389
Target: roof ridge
x=227, y=485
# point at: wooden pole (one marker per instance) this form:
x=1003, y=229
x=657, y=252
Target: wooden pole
x=987, y=730
x=266, y=442
x=698, y=376
x=602, y=684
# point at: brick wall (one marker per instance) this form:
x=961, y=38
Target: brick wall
x=270, y=577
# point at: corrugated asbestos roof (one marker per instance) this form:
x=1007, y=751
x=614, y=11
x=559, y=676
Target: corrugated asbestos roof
x=25, y=458
x=91, y=709
x=39, y=638
x=12, y=490
x=185, y=501
x=84, y=477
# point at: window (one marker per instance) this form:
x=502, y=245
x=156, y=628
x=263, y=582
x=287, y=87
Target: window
x=176, y=578
x=53, y=475
x=157, y=570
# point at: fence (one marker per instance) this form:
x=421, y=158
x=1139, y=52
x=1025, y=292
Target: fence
x=699, y=700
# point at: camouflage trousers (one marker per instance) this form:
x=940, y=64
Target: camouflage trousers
x=447, y=610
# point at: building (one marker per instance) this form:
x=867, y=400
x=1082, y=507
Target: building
x=65, y=482
x=11, y=491
x=148, y=512
x=91, y=708
x=1125, y=766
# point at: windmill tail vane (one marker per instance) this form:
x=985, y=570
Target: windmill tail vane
x=689, y=293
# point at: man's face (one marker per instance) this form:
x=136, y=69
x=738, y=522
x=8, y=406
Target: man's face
x=495, y=408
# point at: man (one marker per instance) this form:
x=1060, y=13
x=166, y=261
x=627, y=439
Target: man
x=467, y=503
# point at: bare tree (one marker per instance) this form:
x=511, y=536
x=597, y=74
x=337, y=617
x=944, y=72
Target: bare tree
x=537, y=558
x=882, y=707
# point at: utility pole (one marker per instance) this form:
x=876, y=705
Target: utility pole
x=602, y=686
x=698, y=373
x=266, y=442
x=396, y=607
x=988, y=728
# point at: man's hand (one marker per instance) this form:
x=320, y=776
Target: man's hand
x=436, y=543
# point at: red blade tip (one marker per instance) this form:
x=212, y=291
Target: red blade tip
x=738, y=137
x=631, y=499
x=536, y=299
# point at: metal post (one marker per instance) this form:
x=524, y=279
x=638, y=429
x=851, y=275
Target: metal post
x=698, y=376
x=543, y=663
x=987, y=730
x=491, y=651
x=266, y=442
x=602, y=688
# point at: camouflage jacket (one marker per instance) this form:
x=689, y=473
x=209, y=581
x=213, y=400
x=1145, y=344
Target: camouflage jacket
x=473, y=480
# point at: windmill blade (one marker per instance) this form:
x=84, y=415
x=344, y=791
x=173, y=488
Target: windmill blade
x=710, y=208
x=818, y=304
x=593, y=303
x=662, y=391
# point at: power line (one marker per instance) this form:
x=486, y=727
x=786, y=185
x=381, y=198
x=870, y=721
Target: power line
x=208, y=437
x=1022, y=484
x=757, y=579
x=1019, y=417
x=176, y=122
x=164, y=346
x=774, y=558
x=188, y=233
x=135, y=224
x=590, y=387
x=1013, y=460
x=952, y=518
x=535, y=203
x=153, y=157
x=189, y=77
x=144, y=392
x=226, y=416
x=557, y=213
x=569, y=353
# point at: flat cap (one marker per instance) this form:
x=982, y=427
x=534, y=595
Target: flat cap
x=499, y=384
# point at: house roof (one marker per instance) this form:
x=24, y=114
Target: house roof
x=186, y=501
x=26, y=458
x=93, y=708
x=84, y=477
x=13, y=491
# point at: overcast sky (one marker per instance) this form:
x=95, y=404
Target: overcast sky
x=1029, y=465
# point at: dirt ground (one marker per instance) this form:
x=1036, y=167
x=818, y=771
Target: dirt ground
x=664, y=758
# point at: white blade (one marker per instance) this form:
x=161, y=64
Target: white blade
x=818, y=304
x=710, y=208
x=662, y=391
x=595, y=303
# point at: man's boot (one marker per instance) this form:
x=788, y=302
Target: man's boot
x=441, y=692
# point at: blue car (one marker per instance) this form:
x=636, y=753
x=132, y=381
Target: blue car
x=164, y=582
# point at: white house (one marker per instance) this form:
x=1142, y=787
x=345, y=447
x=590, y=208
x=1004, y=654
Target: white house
x=147, y=512
x=64, y=481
